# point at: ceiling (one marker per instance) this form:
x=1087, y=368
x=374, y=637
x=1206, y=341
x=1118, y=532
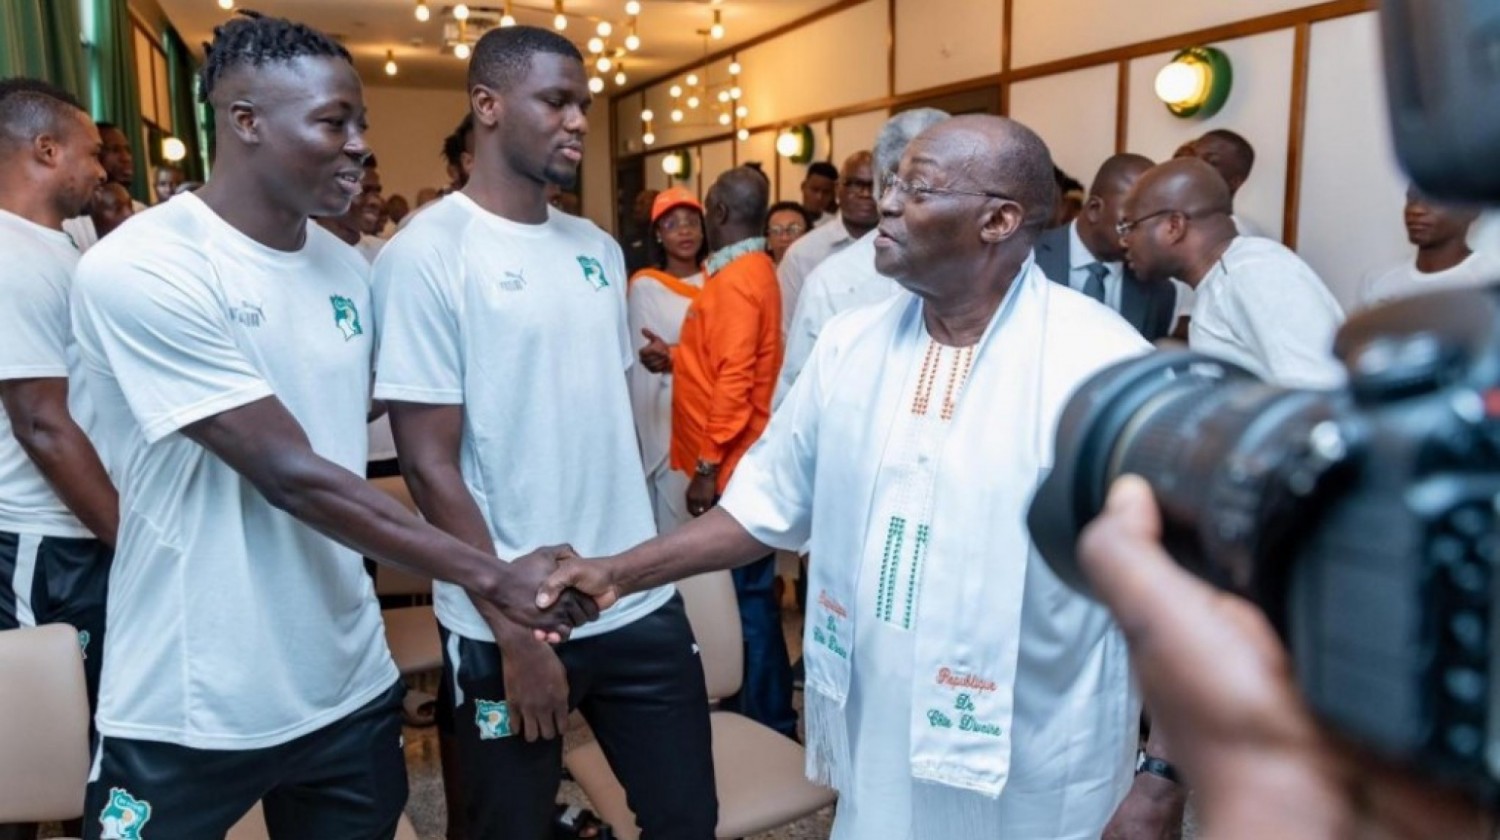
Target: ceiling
x=668, y=30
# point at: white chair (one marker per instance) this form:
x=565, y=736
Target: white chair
x=44, y=725
x=253, y=827
x=758, y=772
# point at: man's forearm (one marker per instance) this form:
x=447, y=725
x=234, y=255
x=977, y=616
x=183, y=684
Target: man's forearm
x=712, y=542
x=67, y=460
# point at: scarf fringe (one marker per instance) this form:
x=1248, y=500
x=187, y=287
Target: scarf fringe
x=828, y=753
x=941, y=812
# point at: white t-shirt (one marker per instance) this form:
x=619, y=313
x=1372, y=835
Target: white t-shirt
x=382, y=443
x=1265, y=309
x=1404, y=280
x=81, y=228
x=36, y=342
x=232, y=625
x=804, y=255
x=524, y=326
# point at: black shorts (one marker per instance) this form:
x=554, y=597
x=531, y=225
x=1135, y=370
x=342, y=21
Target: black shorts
x=346, y=781
x=641, y=689
x=57, y=580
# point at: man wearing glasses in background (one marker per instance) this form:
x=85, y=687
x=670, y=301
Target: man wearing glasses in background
x=857, y=216
x=1258, y=304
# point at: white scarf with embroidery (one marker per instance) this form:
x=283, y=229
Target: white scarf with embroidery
x=973, y=569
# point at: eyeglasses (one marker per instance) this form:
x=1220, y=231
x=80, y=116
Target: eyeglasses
x=917, y=188
x=784, y=230
x=678, y=223
x=857, y=185
x=1125, y=226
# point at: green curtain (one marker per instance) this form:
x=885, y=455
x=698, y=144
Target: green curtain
x=186, y=112
x=119, y=100
x=43, y=39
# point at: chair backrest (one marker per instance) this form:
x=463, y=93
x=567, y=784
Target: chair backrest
x=714, y=615
x=44, y=725
x=389, y=580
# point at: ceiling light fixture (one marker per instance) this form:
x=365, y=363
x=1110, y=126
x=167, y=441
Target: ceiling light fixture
x=742, y=112
x=596, y=84
x=605, y=29
x=461, y=11
x=723, y=119
x=734, y=68
x=560, y=21
x=716, y=31
x=676, y=115
x=675, y=91
x=226, y=5
x=692, y=79
x=390, y=63
x=507, y=19
x=620, y=77
x=632, y=41
x=596, y=45
x=604, y=64
x=743, y=134
x=461, y=51
x=423, y=13
x=648, y=138
x=693, y=101
x=632, y=8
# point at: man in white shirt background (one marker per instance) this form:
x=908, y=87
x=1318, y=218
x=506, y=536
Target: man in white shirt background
x=1443, y=260
x=856, y=217
x=58, y=509
x=503, y=350
x=1086, y=255
x=1257, y=303
x=226, y=347
x=119, y=168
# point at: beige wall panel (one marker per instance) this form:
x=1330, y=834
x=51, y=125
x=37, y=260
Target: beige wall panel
x=1259, y=108
x=761, y=147
x=852, y=134
x=1048, y=30
x=598, y=190
x=629, y=125
x=717, y=158
x=1074, y=113
x=1353, y=191
x=943, y=41
x=836, y=61
x=407, y=127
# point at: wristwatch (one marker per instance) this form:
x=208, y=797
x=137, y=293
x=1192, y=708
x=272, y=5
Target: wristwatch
x=705, y=469
x=1151, y=764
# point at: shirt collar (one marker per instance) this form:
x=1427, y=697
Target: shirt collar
x=724, y=256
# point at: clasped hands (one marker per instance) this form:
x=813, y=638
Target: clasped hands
x=553, y=590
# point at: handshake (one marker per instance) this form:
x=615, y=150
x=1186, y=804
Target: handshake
x=553, y=589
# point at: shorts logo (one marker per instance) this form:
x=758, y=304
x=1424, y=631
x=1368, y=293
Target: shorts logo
x=124, y=817
x=346, y=316
x=493, y=719
x=83, y=642
x=593, y=272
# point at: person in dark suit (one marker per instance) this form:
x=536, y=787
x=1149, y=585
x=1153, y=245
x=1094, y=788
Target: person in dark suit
x=1086, y=255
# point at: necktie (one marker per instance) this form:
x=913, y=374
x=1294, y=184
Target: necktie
x=1094, y=286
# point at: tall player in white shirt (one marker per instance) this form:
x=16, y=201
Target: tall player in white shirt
x=227, y=345
x=503, y=351
x=58, y=510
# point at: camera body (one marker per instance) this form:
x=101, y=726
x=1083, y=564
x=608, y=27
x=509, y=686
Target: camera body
x=1363, y=520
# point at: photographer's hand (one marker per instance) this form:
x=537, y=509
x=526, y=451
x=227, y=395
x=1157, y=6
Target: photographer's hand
x=1217, y=679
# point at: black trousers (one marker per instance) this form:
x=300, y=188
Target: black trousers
x=346, y=781
x=58, y=580
x=641, y=689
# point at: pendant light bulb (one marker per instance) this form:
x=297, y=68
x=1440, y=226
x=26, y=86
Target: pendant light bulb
x=423, y=13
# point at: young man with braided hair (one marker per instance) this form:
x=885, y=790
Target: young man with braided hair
x=227, y=342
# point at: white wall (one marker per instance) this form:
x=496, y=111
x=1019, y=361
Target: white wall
x=1259, y=108
x=855, y=133
x=598, y=176
x=407, y=127
x=1352, y=189
x=837, y=61
x=938, y=41
x=716, y=159
x=1074, y=113
x=1048, y=30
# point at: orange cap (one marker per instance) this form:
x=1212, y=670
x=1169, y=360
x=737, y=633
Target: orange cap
x=669, y=199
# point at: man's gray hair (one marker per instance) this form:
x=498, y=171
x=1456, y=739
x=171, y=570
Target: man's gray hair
x=897, y=134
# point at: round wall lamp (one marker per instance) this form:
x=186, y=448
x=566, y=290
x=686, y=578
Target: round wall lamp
x=173, y=149
x=1196, y=83
x=678, y=164
x=795, y=144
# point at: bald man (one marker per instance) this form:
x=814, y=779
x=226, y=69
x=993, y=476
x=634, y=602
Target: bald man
x=955, y=687
x=856, y=217
x=1086, y=255
x=1257, y=304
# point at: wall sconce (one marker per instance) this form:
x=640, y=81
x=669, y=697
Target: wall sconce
x=678, y=165
x=795, y=144
x=173, y=149
x=1196, y=83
